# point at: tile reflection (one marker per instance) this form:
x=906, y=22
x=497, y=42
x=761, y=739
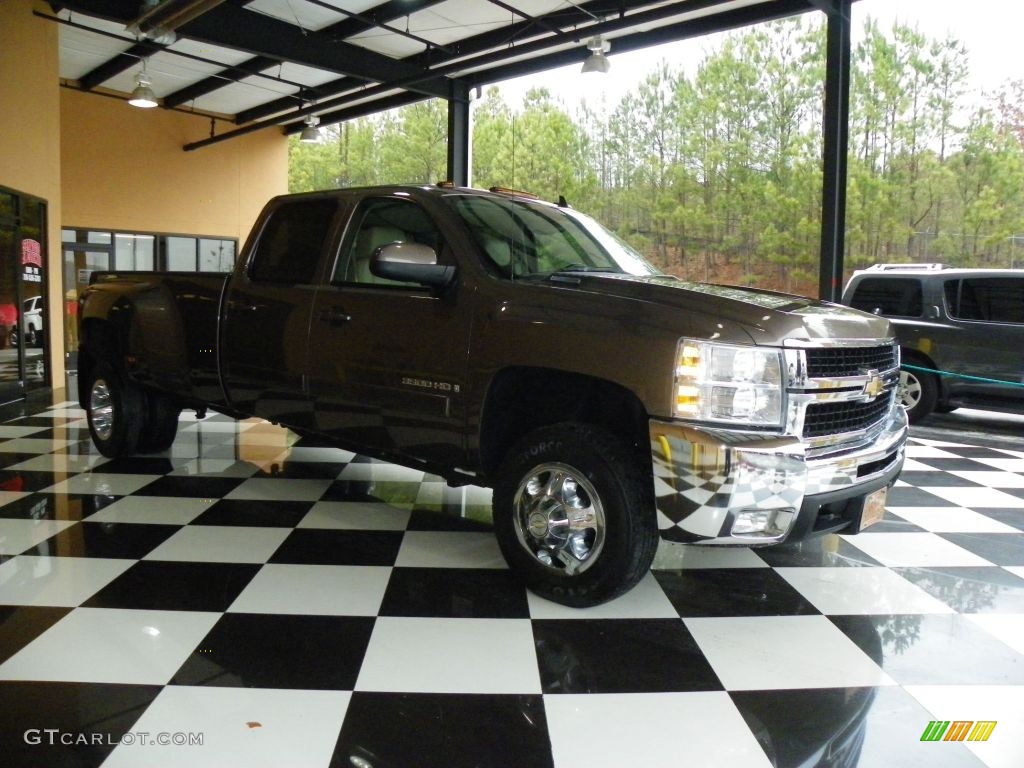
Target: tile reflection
x=977, y=589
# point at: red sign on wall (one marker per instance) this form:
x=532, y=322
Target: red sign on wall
x=31, y=253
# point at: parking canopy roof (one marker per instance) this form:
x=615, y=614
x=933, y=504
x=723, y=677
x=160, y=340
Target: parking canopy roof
x=272, y=62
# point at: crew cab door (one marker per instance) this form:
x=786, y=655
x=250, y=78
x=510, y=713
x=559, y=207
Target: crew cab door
x=268, y=307
x=387, y=360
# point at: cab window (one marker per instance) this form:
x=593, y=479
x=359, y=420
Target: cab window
x=292, y=241
x=376, y=223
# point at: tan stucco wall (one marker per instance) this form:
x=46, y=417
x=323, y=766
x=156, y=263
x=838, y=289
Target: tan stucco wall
x=124, y=168
x=30, y=133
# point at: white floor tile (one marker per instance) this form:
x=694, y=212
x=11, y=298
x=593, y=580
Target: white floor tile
x=280, y=489
x=861, y=591
x=6, y=497
x=8, y=432
x=108, y=645
x=161, y=510
x=16, y=535
x=57, y=581
x=645, y=601
x=449, y=549
x=909, y=465
x=672, y=555
x=1008, y=627
x=1001, y=703
x=777, y=652
x=61, y=462
x=241, y=728
x=914, y=549
x=971, y=497
x=1018, y=570
x=450, y=656
x=653, y=730
x=221, y=544
x=381, y=473
x=928, y=452
x=102, y=484
x=299, y=453
x=323, y=590
x=204, y=467
x=951, y=520
x=355, y=515
x=33, y=445
x=1009, y=464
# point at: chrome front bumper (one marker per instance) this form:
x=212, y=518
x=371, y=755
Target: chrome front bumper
x=716, y=486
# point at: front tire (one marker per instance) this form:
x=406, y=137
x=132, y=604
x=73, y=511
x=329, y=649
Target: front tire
x=116, y=411
x=574, y=514
x=918, y=392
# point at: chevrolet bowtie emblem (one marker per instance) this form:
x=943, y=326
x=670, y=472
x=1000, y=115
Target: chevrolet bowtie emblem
x=874, y=386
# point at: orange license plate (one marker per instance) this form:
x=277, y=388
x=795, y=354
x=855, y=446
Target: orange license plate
x=874, y=508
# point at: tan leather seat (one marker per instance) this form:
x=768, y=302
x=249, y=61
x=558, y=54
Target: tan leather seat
x=367, y=241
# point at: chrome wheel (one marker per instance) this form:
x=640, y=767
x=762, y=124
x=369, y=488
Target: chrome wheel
x=101, y=409
x=559, y=519
x=909, y=390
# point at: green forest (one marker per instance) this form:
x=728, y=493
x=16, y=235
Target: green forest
x=716, y=175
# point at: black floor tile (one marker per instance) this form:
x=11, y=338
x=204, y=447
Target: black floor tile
x=620, y=656
x=175, y=586
x=114, y=540
x=137, y=465
x=997, y=548
x=21, y=624
x=899, y=496
x=484, y=593
x=812, y=727
x=57, y=506
x=21, y=480
x=976, y=452
x=10, y=459
x=397, y=730
x=303, y=470
x=252, y=650
x=259, y=513
x=1008, y=516
x=916, y=649
x=40, y=421
x=427, y=520
x=934, y=479
x=397, y=492
x=732, y=592
x=107, y=710
x=323, y=547
x=958, y=465
x=819, y=552
x=184, y=485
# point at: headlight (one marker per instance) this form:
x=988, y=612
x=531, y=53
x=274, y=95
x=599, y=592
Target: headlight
x=730, y=384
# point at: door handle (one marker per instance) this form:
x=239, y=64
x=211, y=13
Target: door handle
x=334, y=316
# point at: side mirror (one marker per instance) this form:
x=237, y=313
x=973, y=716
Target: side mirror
x=411, y=263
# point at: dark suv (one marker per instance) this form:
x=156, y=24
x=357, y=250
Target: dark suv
x=961, y=333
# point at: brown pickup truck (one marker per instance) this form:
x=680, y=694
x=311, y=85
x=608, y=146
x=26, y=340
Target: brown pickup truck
x=500, y=341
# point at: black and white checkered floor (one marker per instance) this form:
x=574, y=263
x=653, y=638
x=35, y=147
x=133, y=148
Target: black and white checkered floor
x=293, y=605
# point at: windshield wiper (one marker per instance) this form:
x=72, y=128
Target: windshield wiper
x=583, y=268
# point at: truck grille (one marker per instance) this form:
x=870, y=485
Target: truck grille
x=836, y=362
x=838, y=418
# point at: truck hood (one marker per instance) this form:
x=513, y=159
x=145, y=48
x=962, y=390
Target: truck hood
x=769, y=318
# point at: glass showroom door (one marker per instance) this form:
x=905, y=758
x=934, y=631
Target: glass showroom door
x=80, y=261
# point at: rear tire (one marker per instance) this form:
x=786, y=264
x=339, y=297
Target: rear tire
x=115, y=410
x=161, y=423
x=574, y=514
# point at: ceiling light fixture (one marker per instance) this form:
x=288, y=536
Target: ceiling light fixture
x=143, y=95
x=597, y=61
x=310, y=133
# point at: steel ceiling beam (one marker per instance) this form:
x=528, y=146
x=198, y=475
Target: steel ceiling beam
x=386, y=12
x=566, y=18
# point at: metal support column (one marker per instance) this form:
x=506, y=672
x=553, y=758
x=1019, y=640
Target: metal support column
x=836, y=129
x=458, y=134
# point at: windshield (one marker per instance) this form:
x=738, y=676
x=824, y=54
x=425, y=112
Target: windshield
x=527, y=239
